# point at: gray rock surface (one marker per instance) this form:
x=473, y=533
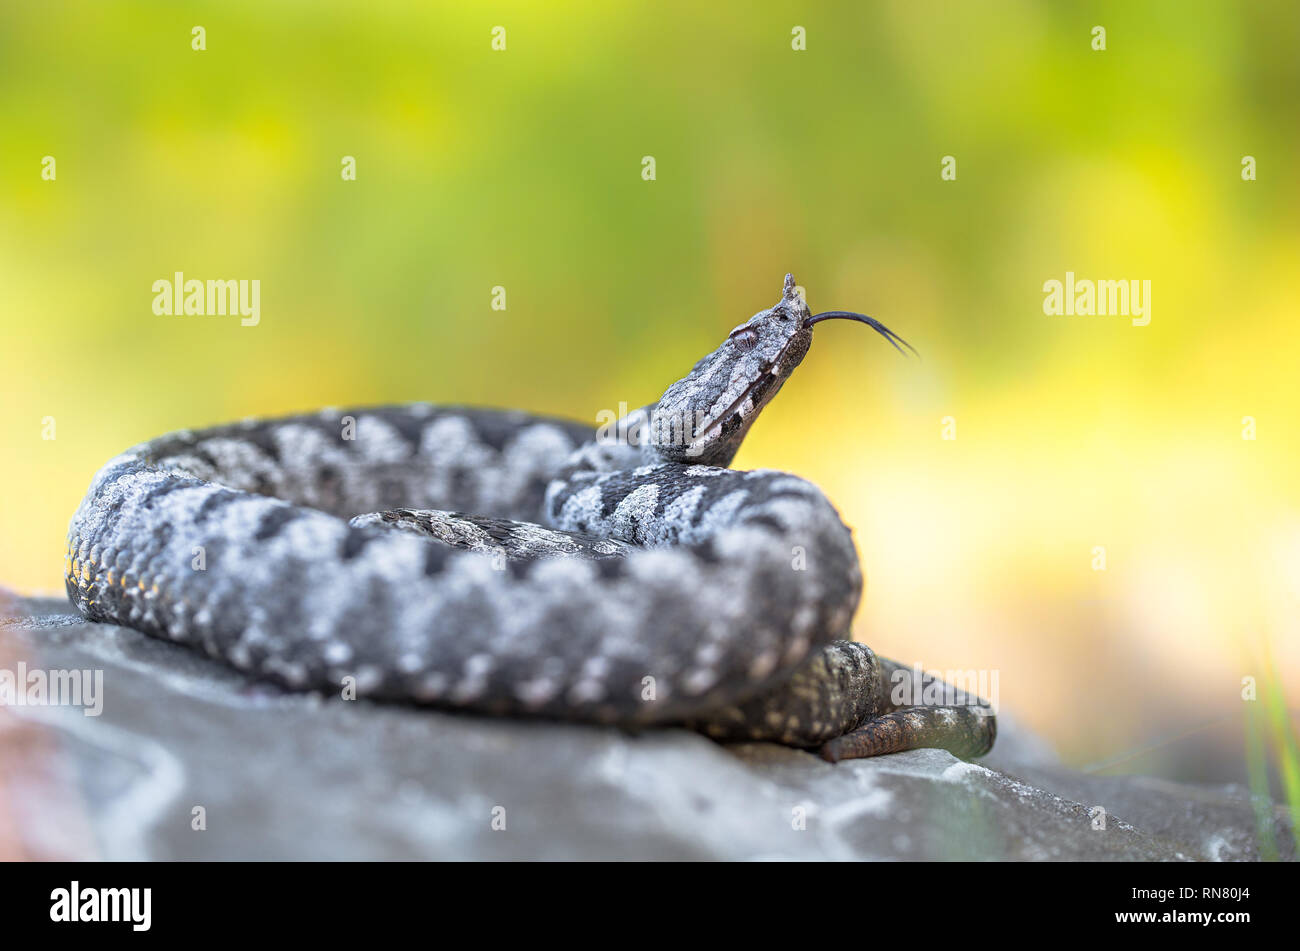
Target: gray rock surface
x=285, y=776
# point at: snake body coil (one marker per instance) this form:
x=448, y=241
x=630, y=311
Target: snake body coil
x=631, y=579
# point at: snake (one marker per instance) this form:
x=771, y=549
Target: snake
x=501, y=563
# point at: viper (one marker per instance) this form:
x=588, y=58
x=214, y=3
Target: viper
x=509, y=564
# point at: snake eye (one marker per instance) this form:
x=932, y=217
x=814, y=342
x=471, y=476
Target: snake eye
x=744, y=338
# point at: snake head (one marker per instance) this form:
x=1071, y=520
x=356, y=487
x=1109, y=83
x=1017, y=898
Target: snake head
x=703, y=417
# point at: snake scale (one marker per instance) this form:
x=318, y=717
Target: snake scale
x=509, y=564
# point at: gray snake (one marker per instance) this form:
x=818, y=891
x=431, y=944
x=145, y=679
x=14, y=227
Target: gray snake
x=509, y=564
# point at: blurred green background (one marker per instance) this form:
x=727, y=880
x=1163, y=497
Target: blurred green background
x=522, y=168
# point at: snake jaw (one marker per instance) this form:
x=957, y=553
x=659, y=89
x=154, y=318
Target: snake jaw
x=763, y=380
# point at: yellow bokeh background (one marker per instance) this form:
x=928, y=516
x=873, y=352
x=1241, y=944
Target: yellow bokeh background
x=522, y=168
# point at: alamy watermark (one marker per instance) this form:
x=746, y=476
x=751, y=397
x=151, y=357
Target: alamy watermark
x=912, y=687
x=52, y=688
x=76, y=903
x=643, y=427
x=178, y=297
x=1086, y=298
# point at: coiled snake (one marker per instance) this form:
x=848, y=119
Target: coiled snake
x=623, y=577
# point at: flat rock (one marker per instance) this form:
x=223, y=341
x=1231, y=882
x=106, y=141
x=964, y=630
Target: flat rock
x=277, y=775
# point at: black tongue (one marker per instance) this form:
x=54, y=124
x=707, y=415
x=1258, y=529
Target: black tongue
x=893, y=338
